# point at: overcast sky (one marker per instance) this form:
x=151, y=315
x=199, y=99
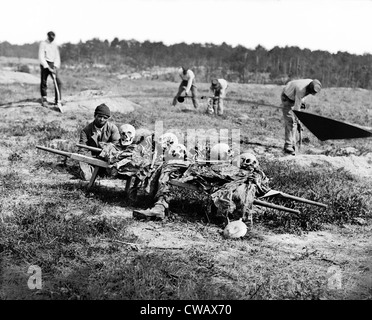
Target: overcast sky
x=331, y=25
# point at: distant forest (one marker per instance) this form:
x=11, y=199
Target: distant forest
x=235, y=64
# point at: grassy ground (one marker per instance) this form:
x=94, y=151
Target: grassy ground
x=88, y=248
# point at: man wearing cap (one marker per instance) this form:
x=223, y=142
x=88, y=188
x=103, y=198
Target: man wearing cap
x=100, y=130
x=50, y=62
x=293, y=98
x=218, y=88
x=187, y=84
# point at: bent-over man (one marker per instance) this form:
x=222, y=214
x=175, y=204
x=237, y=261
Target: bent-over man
x=218, y=88
x=187, y=84
x=293, y=98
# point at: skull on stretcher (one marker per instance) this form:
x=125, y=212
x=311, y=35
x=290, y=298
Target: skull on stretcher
x=177, y=152
x=221, y=151
x=167, y=140
x=248, y=161
x=127, y=134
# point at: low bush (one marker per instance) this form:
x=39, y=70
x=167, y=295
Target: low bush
x=346, y=197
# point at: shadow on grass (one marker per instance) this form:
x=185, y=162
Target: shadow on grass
x=126, y=275
x=11, y=104
x=77, y=262
x=188, y=110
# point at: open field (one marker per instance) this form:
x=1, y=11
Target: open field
x=88, y=246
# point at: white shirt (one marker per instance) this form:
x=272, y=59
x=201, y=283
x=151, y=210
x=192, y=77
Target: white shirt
x=224, y=85
x=189, y=77
x=296, y=91
x=48, y=51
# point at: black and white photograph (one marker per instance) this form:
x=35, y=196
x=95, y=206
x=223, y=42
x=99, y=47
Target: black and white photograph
x=185, y=157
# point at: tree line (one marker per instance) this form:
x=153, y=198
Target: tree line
x=235, y=64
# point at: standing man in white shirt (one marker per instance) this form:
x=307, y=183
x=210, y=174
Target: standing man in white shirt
x=50, y=62
x=187, y=84
x=293, y=98
x=218, y=88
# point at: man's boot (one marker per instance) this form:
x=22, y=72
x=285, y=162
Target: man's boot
x=86, y=171
x=158, y=211
x=289, y=150
x=44, y=102
x=59, y=106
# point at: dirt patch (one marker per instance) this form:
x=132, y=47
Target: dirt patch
x=166, y=235
x=83, y=102
x=346, y=253
x=360, y=166
x=88, y=100
x=8, y=77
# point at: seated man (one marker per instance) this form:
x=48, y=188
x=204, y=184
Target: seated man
x=95, y=133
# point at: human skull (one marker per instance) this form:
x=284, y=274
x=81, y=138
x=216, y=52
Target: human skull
x=235, y=229
x=221, y=151
x=210, y=109
x=127, y=134
x=177, y=151
x=167, y=139
x=248, y=161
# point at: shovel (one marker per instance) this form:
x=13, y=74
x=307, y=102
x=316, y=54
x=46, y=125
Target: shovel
x=57, y=90
x=299, y=130
x=181, y=99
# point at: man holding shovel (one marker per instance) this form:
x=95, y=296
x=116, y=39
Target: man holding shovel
x=187, y=84
x=293, y=98
x=50, y=61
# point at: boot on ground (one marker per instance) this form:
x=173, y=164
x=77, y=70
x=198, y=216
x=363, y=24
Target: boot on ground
x=158, y=211
x=289, y=150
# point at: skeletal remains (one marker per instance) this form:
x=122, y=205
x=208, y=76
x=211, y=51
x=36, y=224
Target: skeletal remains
x=127, y=134
x=221, y=151
x=174, y=150
x=167, y=139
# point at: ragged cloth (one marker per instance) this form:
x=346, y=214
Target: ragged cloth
x=232, y=189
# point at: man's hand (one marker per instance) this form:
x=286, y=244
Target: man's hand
x=52, y=70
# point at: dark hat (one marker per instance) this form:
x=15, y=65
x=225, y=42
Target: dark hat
x=103, y=110
x=315, y=86
x=51, y=34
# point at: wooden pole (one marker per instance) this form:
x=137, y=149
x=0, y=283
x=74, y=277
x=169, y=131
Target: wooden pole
x=288, y=196
x=76, y=156
x=89, y=147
